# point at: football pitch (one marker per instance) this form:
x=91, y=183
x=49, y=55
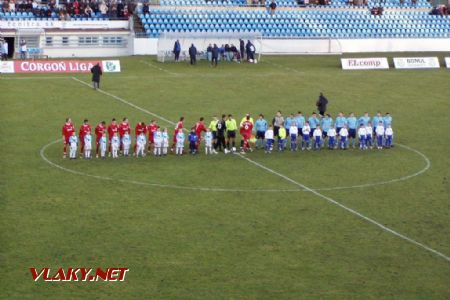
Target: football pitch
x=323, y=224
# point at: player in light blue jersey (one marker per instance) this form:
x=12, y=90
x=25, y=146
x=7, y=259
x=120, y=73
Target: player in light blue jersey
x=313, y=122
x=341, y=120
x=352, y=124
x=126, y=143
x=87, y=145
x=73, y=144
x=180, y=142
x=326, y=124
x=260, y=127
x=300, y=121
x=365, y=119
x=375, y=120
x=288, y=121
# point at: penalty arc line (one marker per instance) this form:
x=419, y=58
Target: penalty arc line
x=352, y=211
x=313, y=191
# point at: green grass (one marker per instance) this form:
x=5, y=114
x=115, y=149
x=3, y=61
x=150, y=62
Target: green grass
x=195, y=244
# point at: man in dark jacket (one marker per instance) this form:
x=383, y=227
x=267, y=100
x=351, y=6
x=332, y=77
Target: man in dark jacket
x=193, y=54
x=250, y=49
x=242, y=48
x=215, y=55
x=96, y=73
x=322, y=104
x=177, y=50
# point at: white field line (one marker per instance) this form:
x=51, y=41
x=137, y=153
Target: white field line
x=158, y=68
x=298, y=184
x=352, y=211
x=125, y=102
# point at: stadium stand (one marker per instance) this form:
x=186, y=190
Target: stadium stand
x=299, y=22
x=70, y=10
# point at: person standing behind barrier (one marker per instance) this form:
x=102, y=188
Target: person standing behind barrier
x=215, y=56
x=177, y=50
x=209, y=52
x=23, y=49
x=5, y=50
x=193, y=54
x=242, y=48
x=96, y=73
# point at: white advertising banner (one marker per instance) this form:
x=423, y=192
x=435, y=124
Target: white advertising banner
x=416, y=63
x=447, y=62
x=365, y=63
x=111, y=66
x=6, y=67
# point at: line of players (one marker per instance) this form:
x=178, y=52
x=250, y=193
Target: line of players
x=315, y=132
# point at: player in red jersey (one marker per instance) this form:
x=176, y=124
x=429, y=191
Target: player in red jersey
x=140, y=128
x=113, y=128
x=199, y=128
x=84, y=129
x=124, y=127
x=178, y=126
x=99, y=130
x=151, y=129
x=67, y=131
x=246, y=132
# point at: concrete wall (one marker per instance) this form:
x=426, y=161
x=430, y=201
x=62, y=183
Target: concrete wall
x=323, y=46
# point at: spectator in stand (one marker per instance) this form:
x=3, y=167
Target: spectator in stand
x=120, y=9
x=146, y=8
x=193, y=54
x=103, y=9
x=272, y=7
